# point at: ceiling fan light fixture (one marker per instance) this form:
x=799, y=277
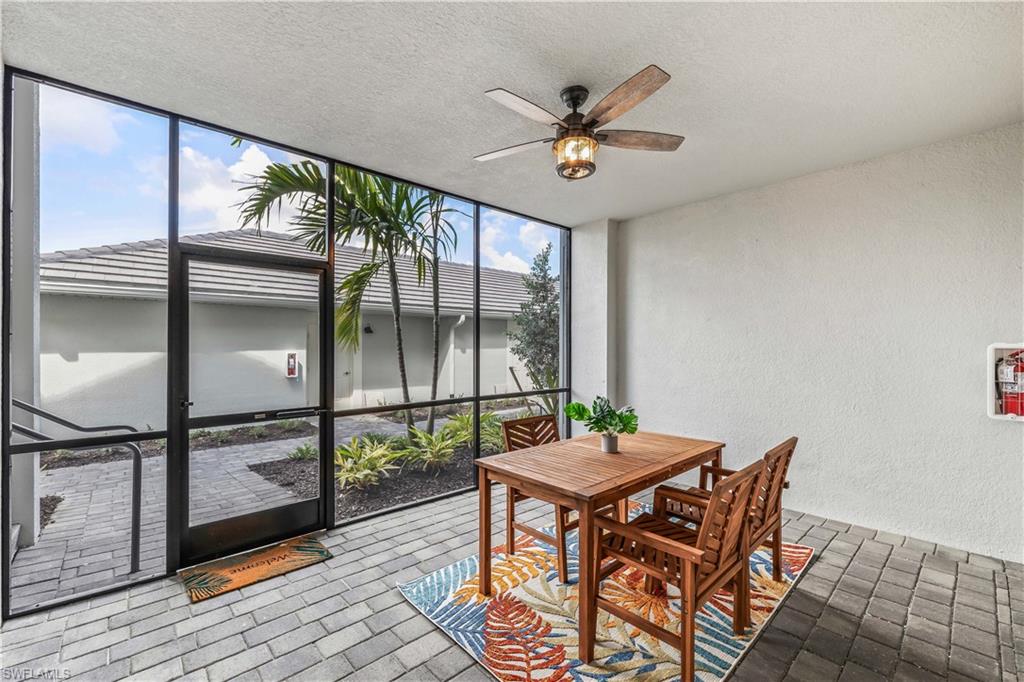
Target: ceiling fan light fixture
x=575, y=156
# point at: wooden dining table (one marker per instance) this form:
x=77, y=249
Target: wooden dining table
x=575, y=473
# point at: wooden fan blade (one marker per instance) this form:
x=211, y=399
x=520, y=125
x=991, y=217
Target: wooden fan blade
x=640, y=139
x=524, y=107
x=515, y=149
x=626, y=96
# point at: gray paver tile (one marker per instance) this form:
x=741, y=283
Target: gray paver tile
x=871, y=606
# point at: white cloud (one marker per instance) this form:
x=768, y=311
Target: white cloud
x=534, y=236
x=153, y=173
x=72, y=119
x=209, y=187
x=491, y=237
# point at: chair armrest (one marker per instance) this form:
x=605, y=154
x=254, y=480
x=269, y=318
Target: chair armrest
x=715, y=473
x=676, y=549
x=683, y=496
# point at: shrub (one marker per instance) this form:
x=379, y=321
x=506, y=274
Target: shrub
x=492, y=439
x=305, y=451
x=431, y=449
x=379, y=439
x=258, y=431
x=290, y=425
x=221, y=437
x=360, y=463
x=461, y=428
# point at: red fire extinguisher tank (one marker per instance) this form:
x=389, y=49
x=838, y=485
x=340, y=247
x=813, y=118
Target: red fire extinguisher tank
x=1010, y=379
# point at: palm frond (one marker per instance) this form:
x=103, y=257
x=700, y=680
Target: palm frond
x=350, y=298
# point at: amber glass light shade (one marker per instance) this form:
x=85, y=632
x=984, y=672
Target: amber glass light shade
x=575, y=156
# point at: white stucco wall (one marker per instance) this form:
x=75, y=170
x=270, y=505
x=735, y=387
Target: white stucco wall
x=103, y=360
x=379, y=365
x=851, y=308
x=594, y=301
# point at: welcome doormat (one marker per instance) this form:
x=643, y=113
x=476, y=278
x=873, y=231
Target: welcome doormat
x=528, y=630
x=235, y=572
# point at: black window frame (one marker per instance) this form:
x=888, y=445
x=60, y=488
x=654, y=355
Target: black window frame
x=174, y=330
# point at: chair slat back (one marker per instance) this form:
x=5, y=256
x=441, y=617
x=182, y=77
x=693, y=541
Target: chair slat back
x=767, y=501
x=721, y=531
x=529, y=432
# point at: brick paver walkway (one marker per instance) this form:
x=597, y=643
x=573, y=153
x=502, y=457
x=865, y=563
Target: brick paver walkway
x=872, y=606
x=87, y=544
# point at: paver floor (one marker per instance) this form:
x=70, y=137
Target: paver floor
x=871, y=606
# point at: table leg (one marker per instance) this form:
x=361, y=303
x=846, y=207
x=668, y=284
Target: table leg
x=622, y=510
x=717, y=459
x=587, y=622
x=485, y=531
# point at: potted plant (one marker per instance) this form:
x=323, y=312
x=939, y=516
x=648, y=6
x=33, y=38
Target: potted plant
x=602, y=418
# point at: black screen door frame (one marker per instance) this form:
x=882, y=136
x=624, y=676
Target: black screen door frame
x=187, y=544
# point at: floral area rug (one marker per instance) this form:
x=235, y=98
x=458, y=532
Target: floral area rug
x=528, y=631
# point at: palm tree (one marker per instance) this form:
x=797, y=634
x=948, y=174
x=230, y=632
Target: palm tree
x=437, y=238
x=391, y=219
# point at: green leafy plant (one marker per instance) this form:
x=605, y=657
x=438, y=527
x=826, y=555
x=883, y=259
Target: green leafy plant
x=305, y=451
x=601, y=417
x=380, y=439
x=223, y=437
x=491, y=438
x=290, y=425
x=461, y=427
x=359, y=463
x=431, y=449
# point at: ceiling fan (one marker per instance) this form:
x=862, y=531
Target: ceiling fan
x=577, y=136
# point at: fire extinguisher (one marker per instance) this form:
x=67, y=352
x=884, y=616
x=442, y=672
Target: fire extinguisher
x=1010, y=383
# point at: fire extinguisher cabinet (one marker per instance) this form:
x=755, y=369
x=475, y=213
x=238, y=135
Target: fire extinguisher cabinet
x=1006, y=381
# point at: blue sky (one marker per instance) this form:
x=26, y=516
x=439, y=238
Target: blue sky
x=103, y=180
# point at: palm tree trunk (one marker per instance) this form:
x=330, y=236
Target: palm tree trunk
x=436, y=292
x=396, y=313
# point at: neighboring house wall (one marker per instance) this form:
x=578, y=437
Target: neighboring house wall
x=851, y=308
x=103, y=360
x=379, y=363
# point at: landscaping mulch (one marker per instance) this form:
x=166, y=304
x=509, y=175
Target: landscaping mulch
x=406, y=485
x=201, y=439
x=47, y=508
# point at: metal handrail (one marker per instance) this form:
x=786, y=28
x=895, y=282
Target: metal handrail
x=133, y=448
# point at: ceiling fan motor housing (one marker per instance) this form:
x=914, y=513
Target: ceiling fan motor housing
x=574, y=96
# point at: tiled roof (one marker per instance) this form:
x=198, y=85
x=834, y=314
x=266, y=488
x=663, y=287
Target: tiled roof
x=139, y=270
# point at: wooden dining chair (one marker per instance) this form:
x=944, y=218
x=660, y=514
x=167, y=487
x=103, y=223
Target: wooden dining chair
x=527, y=433
x=699, y=561
x=690, y=504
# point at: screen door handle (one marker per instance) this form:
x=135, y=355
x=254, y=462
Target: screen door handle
x=290, y=414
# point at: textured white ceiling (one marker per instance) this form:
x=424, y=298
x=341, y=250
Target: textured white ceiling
x=761, y=91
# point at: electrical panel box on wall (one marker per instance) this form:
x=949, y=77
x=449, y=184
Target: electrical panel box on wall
x=1006, y=381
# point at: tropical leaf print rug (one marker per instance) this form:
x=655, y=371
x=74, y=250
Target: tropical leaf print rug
x=527, y=630
x=234, y=572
